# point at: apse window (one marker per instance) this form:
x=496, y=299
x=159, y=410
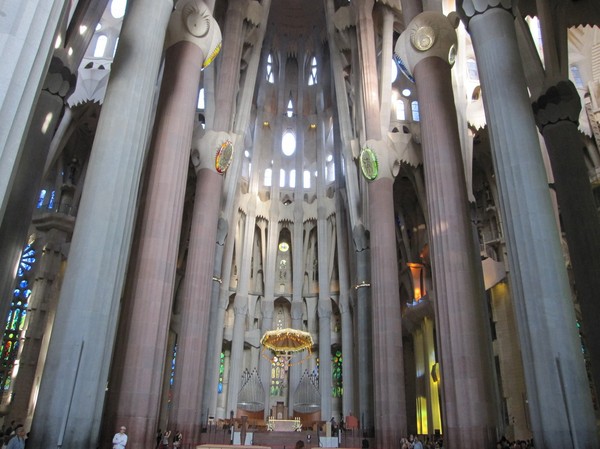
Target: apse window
x=293, y=178
x=290, y=109
x=306, y=179
x=312, y=79
x=472, y=70
x=288, y=143
x=270, y=76
x=281, y=177
x=201, y=99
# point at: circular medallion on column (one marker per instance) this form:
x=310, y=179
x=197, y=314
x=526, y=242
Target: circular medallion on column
x=224, y=156
x=368, y=164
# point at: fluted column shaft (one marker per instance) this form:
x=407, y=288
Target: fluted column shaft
x=460, y=299
x=145, y=324
x=41, y=309
x=389, y=397
x=557, y=114
x=554, y=371
x=72, y=392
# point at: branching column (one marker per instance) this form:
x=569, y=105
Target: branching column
x=143, y=333
x=554, y=370
x=72, y=392
x=389, y=397
x=428, y=47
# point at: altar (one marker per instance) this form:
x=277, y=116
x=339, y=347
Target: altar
x=284, y=425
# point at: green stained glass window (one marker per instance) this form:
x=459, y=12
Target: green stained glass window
x=336, y=367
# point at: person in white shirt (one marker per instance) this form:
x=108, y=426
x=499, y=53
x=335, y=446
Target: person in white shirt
x=120, y=439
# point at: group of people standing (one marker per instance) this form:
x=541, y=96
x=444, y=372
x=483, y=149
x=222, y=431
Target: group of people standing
x=13, y=437
x=163, y=440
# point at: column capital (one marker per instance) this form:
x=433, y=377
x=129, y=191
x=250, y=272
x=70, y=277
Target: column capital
x=559, y=103
x=60, y=79
x=429, y=35
x=207, y=149
x=192, y=22
x=467, y=9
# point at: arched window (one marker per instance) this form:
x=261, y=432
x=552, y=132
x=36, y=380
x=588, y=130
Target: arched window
x=312, y=78
x=306, y=182
x=281, y=177
x=414, y=106
x=201, y=99
x=268, y=176
x=400, y=109
x=270, y=76
x=100, y=46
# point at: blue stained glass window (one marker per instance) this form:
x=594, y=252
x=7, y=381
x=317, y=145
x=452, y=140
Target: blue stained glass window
x=15, y=322
x=41, y=199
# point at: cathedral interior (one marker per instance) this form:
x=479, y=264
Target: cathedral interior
x=383, y=212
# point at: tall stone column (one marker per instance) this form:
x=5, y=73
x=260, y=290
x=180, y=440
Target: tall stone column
x=554, y=370
x=557, y=115
x=364, y=335
x=72, y=392
x=136, y=393
x=427, y=48
x=389, y=398
x=57, y=228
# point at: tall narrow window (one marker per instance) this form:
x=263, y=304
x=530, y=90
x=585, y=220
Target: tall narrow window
x=293, y=178
x=221, y=372
x=16, y=315
x=268, y=175
x=270, y=76
x=281, y=177
x=400, y=111
x=576, y=75
x=338, y=386
x=306, y=179
x=290, y=109
x=201, y=99
x=414, y=106
x=100, y=46
x=312, y=78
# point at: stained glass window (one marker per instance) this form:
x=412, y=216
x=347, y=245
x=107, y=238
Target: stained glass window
x=221, y=371
x=336, y=365
x=312, y=78
x=278, y=376
x=15, y=322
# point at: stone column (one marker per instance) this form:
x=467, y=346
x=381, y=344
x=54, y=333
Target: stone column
x=557, y=116
x=389, y=397
x=57, y=228
x=137, y=368
x=72, y=392
x=427, y=48
x=364, y=336
x=554, y=370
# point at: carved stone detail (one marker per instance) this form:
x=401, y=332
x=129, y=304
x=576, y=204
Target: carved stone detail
x=467, y=9
x=559, y=103
x=60, y=80
x=430, y=34
x=191, y=21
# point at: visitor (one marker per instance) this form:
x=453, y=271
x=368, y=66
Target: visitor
x=177, y=439
x=165, y=439
x=119, y=441
x=18, y=440
x=299, y=444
